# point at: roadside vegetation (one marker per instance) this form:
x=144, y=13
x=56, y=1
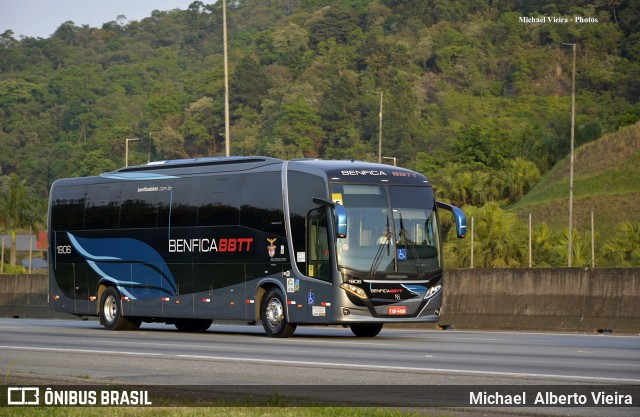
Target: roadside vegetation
x=606, y=183
x=473, y=97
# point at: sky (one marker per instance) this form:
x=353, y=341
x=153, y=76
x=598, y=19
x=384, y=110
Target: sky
x=40, y=18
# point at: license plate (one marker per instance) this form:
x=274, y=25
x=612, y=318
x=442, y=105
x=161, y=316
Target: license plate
x=397, y=310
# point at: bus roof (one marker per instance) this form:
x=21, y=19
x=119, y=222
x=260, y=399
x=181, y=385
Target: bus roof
x=335, y=170
x=213, y=163
x=362, y=172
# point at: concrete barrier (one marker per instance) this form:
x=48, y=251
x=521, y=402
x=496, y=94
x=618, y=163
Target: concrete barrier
x=560, y=299
x=565, y=299
x=26, y=296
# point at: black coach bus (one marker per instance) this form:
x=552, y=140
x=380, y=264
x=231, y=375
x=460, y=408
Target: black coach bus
x=287, y=243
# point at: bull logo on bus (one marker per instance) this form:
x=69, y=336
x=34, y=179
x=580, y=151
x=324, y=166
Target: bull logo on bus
x=272, y=247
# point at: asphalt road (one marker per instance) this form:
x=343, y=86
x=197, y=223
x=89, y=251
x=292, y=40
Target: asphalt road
x=74, y=350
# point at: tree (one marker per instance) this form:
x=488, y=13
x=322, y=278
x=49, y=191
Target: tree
x=298, y=124
x=580, y=248
x=94, y=163
x=249, y=85
x=401, y=135
x=520, y=175
x=477, y=145
x=169, y=144
x=333, y=22
x=623, y=250
x=17, y=210
x=201, y=127
x=288, y=45
x=544, y=254
x=468, y=184
x=499, y=241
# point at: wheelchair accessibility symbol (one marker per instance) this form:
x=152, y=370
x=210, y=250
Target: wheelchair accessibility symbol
x=402, y=254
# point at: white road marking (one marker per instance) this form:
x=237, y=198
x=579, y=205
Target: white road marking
x=316, y=341
x=330, y=364
x=108, y=352
x=619, y=364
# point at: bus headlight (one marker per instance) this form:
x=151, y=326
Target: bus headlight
x=357, y=291
x=433, y=290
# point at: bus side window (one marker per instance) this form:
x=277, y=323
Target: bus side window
x=138, y=209
x=177, y=205
x=219, y=201
x=67, y=211
x=102, y=206
x=261, y=205
x=318, y=255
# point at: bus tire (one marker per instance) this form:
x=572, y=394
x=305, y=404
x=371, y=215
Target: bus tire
x=193, y=325
x=111, y=312
x=274, y=315
x=134, y=323
x=366, y=330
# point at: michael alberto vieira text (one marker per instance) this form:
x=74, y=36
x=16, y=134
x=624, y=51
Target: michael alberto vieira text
x=549, y=398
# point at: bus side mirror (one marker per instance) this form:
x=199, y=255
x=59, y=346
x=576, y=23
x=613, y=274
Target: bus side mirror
x=458, y=216
x=341, y=221
x=340, y=215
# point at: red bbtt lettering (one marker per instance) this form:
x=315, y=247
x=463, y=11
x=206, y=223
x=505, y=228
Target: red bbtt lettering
x=235, y=245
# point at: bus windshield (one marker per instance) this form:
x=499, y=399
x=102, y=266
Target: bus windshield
x=392, y=229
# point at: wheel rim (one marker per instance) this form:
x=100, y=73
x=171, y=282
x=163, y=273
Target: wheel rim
x=110, y=308
x=274, y=313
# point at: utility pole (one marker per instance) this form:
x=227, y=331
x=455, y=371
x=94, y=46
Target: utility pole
x=472, y=231
x=380, y=130
x=227, y=144
x=379, y=125
x=571, y=157
x=530, y=242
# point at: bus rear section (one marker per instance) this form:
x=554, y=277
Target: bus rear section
x=180, y=242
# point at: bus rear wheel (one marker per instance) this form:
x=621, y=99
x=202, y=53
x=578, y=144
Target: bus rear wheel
x=366, y=330
x=111, y=312
x=274, y=315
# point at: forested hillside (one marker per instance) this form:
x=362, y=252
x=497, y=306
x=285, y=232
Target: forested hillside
x=476, y=94
x=606, y=198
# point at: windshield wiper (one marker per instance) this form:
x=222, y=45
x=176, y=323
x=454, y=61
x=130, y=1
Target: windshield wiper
x=378, y=258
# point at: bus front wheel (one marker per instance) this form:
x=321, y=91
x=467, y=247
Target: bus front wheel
x=366, y=330
x=274, y=315
x=111, y=312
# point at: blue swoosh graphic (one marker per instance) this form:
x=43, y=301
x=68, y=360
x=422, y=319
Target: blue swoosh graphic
x=415, y=289
x=135, y=267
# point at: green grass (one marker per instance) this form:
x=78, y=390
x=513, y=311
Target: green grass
x=211, y=412
x=169, y=404
x=606, y=182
